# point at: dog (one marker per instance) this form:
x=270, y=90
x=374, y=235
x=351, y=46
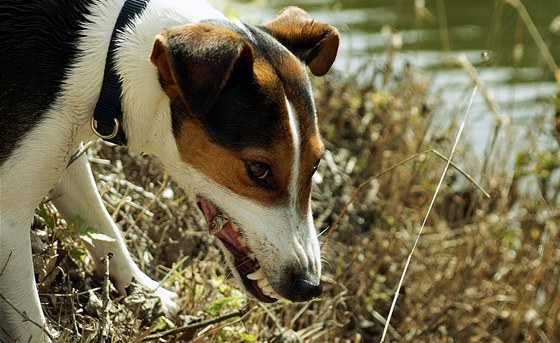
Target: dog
x=226, y=106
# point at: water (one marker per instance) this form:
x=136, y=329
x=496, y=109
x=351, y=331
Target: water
x=521, y=82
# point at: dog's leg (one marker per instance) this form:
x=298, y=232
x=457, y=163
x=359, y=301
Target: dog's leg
x=17, y=283
x=75, y=195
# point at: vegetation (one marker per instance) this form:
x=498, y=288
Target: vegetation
x=485, y=269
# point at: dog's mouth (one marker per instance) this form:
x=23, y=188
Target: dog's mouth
x=244, y=260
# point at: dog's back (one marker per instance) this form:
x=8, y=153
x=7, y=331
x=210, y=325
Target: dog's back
x=38, y=45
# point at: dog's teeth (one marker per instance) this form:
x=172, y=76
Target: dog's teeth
x=242, y=241
x=256, y=276
x=263, y=283
x=234, y=227
x=269, y=292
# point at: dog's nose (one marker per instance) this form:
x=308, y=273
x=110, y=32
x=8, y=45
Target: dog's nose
x=304, y=290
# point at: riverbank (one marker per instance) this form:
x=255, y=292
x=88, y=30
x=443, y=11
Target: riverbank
x=485, y=268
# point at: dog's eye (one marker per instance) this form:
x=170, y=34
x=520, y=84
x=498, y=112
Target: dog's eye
x=261, y=173
x=258, y=170
x=316, y=166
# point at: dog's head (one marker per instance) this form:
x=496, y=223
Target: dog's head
x=245, y=126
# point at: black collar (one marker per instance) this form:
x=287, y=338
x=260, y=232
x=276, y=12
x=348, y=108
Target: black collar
x=107, y=117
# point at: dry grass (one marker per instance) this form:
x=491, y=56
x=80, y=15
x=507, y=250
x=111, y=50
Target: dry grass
x=485, y=269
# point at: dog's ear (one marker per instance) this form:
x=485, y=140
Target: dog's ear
x=199, y=60
x=313, y=42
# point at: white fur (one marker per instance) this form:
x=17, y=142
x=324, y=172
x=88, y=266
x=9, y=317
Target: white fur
x=25, y=178
x=310, y=258
x=40, y=160
x=144, y=100
x=282, y=244
x=279, y=236
x=269, y=231
x=76, y=195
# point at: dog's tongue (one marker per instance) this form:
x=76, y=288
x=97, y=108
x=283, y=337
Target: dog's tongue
x=208, y=209
x=221, y=227
x=245, y=262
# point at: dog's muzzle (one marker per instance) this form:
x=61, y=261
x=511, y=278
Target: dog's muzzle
x=246, y=265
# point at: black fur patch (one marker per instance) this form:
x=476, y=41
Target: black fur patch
x=38, y=45
x=245, y=115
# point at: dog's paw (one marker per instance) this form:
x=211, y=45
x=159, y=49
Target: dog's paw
x=32, y=333
x=167, y=297
x=168, y=300
x=128, y=273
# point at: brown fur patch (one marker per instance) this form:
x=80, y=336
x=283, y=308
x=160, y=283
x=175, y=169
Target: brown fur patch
x=298, y=92
x=227, y=167
x=200, y=58
x=312, y=149
x=313, y=42
x=279, y=76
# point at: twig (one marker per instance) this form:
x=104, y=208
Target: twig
x=6, y=264
x=80, y=152
x=104, y=330
x=239, y=313
x=23, y=314
x=216, y=329
x=271, y=316
x=383, y=321
x=25, y=317
x=59, y=295
x=407, y=264
x=545, y=52
x=465, y=174
x=169, y=274
x=122, y=182
x=489, y=98
x=74, y=321
x=443, y=27
x=156, y=199
x=406, y=160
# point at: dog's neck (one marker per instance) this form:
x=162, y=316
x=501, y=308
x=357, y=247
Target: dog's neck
x=107, y=116
x=146, y=111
